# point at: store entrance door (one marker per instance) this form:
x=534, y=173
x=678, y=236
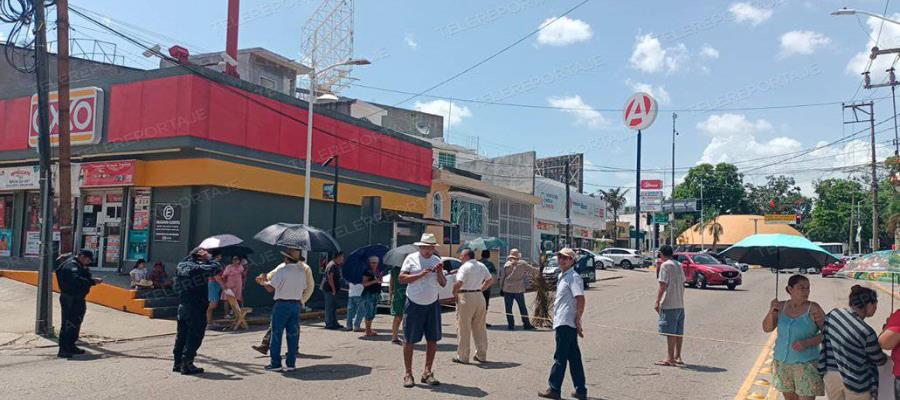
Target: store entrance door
x=101, y=227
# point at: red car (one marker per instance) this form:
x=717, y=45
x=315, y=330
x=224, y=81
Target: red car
x=702, y=270
x=833, y=268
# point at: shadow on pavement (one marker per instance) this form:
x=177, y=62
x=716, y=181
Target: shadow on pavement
x=459, y=390
x=440, y=347
x=217, y=376
x=498, y=365
x=328, y=372
x=704, y=368
x=311, y=356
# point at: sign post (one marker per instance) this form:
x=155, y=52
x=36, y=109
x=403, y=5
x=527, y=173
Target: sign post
x=639, y=113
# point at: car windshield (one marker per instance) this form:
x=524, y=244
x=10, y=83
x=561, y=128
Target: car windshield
x=705, y=259
x=553, y=263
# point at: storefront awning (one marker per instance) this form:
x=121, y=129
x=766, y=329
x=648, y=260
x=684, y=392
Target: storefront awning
x=397, y=217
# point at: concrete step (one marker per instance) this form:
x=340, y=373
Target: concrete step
x=159, y=302
x=170, y=312
x=152, y=293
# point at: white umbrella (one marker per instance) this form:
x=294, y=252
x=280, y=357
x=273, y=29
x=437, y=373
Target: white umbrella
x=219, y=241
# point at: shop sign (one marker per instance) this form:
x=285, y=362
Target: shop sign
x=328, y=191
x=107, y=173
x=85, y=117
x=167, y=222
x=32, y=243
x=781, y=219
x=545, y=226
x=583, y=233
x=19, y=178
x=549, y=200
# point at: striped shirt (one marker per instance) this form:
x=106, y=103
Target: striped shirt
x=850, y=347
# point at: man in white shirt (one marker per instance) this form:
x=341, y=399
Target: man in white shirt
x=263, y=346
x=288, y=284
x=472, y=279
x=423, y=274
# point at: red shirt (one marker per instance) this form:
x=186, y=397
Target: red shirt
x=894, y=325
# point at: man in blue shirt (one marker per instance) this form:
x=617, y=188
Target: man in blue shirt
x=567, y=324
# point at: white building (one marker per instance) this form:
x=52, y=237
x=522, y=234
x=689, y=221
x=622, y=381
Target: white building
x=588, y=216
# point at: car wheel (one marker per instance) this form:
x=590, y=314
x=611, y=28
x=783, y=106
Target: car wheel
x=626, y=264
x=587, y=285
x=732, y=287
x=700, y=280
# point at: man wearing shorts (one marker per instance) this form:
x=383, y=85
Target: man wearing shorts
x=423, y=274
x=670, y=306
x=397, y=293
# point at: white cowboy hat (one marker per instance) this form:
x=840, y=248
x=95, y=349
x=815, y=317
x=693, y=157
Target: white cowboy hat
x=427, y=240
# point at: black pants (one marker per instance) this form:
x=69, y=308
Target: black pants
x=191, y=330
x=567, y=352
x=487, y=298
x=73, y=309
x=519, y=298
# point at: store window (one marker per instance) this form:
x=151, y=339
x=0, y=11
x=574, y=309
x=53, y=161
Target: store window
x=101, y=216
x=437, y=206
x=32, y=231
x=468, y=215
x=139, y=228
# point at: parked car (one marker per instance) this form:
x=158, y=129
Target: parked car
x=833, y=268
x=451, y=264
x=702, y=270
x=584, y=266
x=601, y=262
x=625, y=258
x=740, y=266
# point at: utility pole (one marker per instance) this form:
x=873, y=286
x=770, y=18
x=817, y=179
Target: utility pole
x=850, y=239
x=637, y=196
x=65, y=148
x=702, y=228
x=858, y=229
x=568, y=204
x=672, y=194
x=44, y=316
x=857, y=109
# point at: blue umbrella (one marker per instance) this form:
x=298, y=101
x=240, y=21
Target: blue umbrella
x=358, y=262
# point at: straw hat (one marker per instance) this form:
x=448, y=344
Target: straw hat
x=292, y=254
x=428, y=240
x=567, y=252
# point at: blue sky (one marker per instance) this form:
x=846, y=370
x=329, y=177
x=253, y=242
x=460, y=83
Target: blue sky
x=705, y=55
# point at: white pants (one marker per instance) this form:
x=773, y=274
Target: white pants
x=835, y=389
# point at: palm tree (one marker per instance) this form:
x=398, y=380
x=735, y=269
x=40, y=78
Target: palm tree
x=714, y=228
x=615, y=200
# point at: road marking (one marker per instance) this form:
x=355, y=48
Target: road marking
x=749, y=382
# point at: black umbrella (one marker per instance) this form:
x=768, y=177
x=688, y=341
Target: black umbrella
x=298, y=236
x=395, y=256
x=358, y=262
x=236, y=250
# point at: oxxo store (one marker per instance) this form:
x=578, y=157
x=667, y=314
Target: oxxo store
x=111, y=215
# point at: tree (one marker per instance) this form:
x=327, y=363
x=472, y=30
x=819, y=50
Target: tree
x=615, y=200
x=723, y=187
x=779, y=195
x=833, y=206
x=714, y=228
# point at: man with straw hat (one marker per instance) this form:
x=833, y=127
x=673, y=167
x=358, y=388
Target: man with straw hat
x=290, y=256
x=423, y=274
x=471, y=280
x=287, y=283
x=568, y=309
x=512, y=286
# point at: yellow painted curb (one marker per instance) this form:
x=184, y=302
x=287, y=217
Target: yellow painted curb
x=744, y=392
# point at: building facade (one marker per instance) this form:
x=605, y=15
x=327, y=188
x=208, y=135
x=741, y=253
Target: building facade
x=587, y=213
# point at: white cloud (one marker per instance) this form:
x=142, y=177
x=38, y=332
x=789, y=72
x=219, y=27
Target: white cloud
x=650, y=56
x=890, y=37
x=709, y=52
x=564, y=31
x=733, y=138
x=802, y=42
x=2, y=37
x=453, y=113
x=658, y=92
x=746, y=12
x=410, y=41
x=582, y=112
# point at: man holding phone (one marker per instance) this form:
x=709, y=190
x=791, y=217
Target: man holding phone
x=423, y=274
x=75, y=282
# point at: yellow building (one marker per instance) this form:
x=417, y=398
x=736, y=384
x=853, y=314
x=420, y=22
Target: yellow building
x=734, y=229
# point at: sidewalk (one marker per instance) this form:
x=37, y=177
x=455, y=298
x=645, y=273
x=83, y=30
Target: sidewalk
x=101, y=324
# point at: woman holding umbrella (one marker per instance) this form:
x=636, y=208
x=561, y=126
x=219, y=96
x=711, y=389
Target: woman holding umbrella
x=371, y=282
x=799, y=323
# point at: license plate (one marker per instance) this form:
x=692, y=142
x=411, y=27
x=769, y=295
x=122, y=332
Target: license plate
x=731, y=281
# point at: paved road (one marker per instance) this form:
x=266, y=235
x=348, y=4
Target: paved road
x=619, y=350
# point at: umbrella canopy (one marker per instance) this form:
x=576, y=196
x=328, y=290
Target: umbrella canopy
x=483, y=243
x=394, y=257
x=358, y=262
x=877, y=266
x=240, y=251
x=219, y=241
x=298, y=236
x=779, y=251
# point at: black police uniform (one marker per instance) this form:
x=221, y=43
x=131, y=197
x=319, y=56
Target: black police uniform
x=75, y=282
x=191, y=277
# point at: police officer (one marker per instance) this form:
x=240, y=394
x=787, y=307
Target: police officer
x=191, y=285
x=75, y=282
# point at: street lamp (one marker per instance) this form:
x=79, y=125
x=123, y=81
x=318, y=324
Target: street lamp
x=850, y=11
x=311, y=99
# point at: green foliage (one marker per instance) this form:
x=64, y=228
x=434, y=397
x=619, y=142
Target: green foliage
x=723, y=187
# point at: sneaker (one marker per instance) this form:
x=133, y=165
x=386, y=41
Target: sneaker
x=480, y=360
x=408, y=381
x=457, y=360
x=290, y=369
x=260, y=348
x=430, y=380
x=549, y=394
x=276, y=368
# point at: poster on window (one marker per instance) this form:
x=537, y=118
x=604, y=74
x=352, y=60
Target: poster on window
x=5, y=242
x=137, y=244
x=32, y=243
x=112, y=248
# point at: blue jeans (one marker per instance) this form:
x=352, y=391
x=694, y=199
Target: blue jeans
x=330, y=310
x=567, y=352
x=285, y=316
x=371, y=305
x=508, y=299
x=356, y=307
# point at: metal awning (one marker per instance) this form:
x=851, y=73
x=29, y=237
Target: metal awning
x=398, y=217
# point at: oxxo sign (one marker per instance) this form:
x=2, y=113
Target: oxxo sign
x=85, y=117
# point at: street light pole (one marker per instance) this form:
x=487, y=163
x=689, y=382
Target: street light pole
x=672, y=194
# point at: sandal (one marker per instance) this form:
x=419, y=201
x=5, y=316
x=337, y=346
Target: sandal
x=409, y=381
x=429, y=379
x=396, y=341
x=679, y=362
x=664, y=363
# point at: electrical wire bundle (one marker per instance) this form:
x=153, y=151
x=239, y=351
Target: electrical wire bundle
x=19, y=13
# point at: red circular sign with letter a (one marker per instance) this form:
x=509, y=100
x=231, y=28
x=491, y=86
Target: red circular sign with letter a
x=640, y=111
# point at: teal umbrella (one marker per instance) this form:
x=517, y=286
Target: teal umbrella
x=779, y=251
x=483, y=243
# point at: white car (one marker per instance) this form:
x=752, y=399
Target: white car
x=625, y=258
x=446, y=294
x=602, y=262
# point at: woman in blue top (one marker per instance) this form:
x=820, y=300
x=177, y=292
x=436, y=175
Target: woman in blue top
x=799, y=323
